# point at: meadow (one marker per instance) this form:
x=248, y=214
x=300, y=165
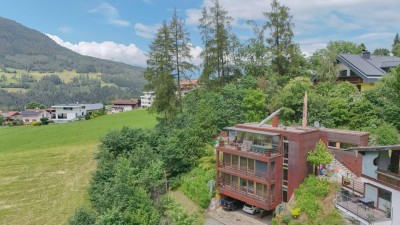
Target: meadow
x=45, y=170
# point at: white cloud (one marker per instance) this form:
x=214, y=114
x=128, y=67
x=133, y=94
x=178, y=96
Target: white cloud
x=195, y=51
x=146, y=31
x=330, y=19
x=111, y=14
x=129, y=54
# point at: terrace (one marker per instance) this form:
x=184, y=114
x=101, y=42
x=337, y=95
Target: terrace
x=359, y=208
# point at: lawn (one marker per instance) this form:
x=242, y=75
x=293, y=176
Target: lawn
x=45, y=170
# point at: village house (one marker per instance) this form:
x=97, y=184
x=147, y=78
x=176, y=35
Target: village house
x=147, y=99
x=30, y=116
x=121, y=105
x=364, y=69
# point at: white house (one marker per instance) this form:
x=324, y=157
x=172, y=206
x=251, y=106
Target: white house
x=147, y=99
x=379, y=203
x=71, y=111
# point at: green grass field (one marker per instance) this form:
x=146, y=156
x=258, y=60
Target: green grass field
x=45, y=170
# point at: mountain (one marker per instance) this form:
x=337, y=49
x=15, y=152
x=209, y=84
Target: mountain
x=27, y=55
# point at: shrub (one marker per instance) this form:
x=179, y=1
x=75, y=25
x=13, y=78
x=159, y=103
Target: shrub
x=83, y=216
x=44, y=121
x=286, y=218
x=36, y=123
x=295, y=212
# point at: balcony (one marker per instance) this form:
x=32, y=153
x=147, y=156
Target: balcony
x=245, y=196
x=389, y=178
x=356, y=187
x=249, y=148
x=257, y=176
x=361, y=211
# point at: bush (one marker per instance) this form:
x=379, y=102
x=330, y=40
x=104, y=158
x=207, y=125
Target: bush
x=295, y=212
x=44, y=121
x=36, y=123
x=83, y=216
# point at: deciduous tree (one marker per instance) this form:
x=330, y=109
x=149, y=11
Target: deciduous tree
x=319, y=156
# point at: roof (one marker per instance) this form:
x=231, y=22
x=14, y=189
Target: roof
x=369, y=69
x=96, y=106
x=374, y=148
x=66, y=105
x=125, y=102
x=30, y=113
x=187, y=82
x=251, y=131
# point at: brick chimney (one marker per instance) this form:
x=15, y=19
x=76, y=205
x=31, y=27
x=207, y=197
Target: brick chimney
x=275, y=121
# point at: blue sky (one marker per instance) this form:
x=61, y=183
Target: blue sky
x=122, y=30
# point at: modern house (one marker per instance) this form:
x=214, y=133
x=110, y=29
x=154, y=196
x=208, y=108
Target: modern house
x=71, y=111
x=373, y=195
x=121, y=105
x=30, y=116
x=263, y=164
x=147, y=99
x=365, y=69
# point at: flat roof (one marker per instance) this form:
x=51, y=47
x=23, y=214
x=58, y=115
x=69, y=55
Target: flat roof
x=251, y=131
x=374, y=148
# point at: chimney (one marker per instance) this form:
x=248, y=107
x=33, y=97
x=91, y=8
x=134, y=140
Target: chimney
x=275, y=121
x=366, y=54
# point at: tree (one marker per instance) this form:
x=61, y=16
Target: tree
x=396, y=50
x=319, y=156
x=1, y=120
x=159, y=73
x=215, y=30
x=34, y=105
x=396, y=40
x=286, y=56
x=83, y=216
x=381, y=51
x=181, y=51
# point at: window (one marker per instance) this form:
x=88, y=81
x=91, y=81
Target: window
x=284, y=195
x=384, y=194
x=250, y=165
x=332, y=144
x=234, y=181
x=286, y=149
x=67, y=108
x=259, y=189
x=251, y=186
x=33, y=120
x=343, y=73
x=285, y=173
x=243, y=184
x=272, y=191
x=227, y=179
x=346, y=145
x=243, y=163
x=235, y=160
x=227, y=159
x=272, y=167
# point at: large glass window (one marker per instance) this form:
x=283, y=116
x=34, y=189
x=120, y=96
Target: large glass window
x=243, y=163
x=235, y=160
x=251, y=186
x=227, y=159
x=272, y=167
x=234, y=181
x=285, y=173
x=286, y=149
x=243, y=184
x=227, y=179
x=259, y=189
x=250, y=165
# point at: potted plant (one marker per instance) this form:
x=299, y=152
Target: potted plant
x=346, y=180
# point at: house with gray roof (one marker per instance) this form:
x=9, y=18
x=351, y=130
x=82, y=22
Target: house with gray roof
x=364, y=69
x=30, y=116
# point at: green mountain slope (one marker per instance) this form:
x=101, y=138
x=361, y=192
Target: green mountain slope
x=27, y=55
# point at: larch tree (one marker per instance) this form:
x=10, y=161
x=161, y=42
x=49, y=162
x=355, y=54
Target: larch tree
x=215, y=30
x=280, y=27
x=181, y=52
x=159, y=73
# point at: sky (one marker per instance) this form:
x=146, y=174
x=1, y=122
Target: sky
x=121, y=30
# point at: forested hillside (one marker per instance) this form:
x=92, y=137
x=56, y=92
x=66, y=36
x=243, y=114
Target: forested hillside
x=27, y=56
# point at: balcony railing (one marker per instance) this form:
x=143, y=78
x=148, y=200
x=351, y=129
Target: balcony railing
x=244, y=192
x=359, y=209
x=353, y=185
x=388, y=177
x=238, y=170
x=258, y=149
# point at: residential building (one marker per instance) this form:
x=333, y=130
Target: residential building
x=263, y=164
x=187, y=85
x=373, y=195
x=73, y=111
x=30, y=116
x=121, y=105
x=364, y=69
x=11, y=116
x=147, y=99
